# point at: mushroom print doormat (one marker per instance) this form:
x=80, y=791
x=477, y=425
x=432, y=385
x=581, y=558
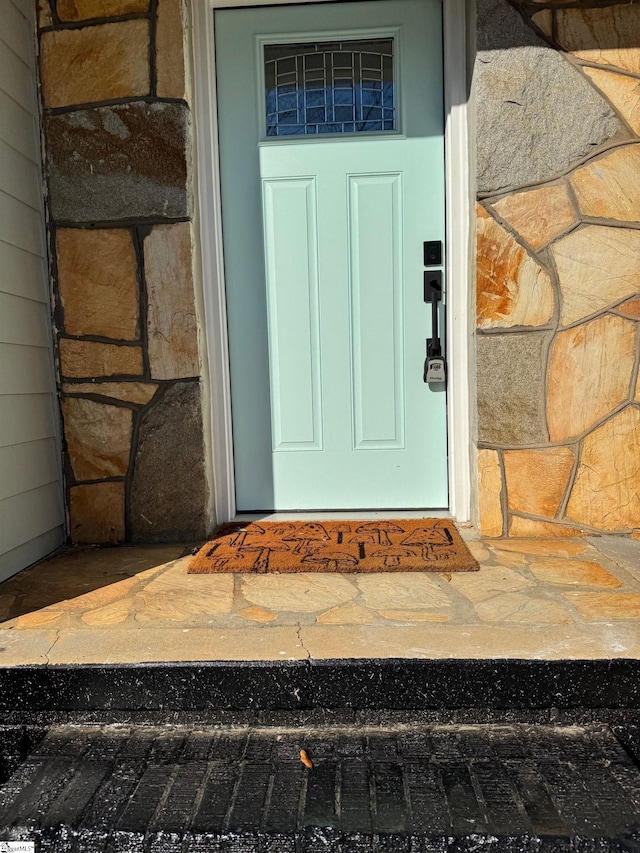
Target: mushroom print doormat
x=413, y=545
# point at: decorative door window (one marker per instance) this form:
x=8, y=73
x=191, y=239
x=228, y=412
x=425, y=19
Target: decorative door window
x=329, y=87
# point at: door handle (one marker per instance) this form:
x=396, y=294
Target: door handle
x=434, y=365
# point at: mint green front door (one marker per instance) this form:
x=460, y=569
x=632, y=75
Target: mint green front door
x=332, y=172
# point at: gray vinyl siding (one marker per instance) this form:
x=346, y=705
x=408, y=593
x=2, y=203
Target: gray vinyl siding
x=31, y=498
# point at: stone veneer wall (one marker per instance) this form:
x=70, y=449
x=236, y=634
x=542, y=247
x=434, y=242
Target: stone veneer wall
x=117, y=132
x=557, y=89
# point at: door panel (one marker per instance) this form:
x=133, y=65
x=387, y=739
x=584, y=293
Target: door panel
x=323, y=257
x=377, y=325
x=292, y=308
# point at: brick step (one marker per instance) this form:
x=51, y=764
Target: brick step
x=407, y=788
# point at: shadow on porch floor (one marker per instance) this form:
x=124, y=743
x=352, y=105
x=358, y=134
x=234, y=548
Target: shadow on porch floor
x=533, y=599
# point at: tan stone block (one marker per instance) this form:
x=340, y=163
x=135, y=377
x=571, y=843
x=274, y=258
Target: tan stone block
x=606, y=494
x=151, y=573
x=539, y=215
x=543, y=547
x=573, y=572
x=171, y=318
x=413, y=616
x=515, y=607
x=635, y=534
x=112, y=614
x=479, y=641
x=510, y=560
x=512, y=289
x=38, y=618
x=175, y=596
x=170, y=50
x=81, y=10
x=98, y=438
x=597, y=267
x=44, y=598
x=537, y=479
x=489, y=493
x=478, y=550
x=589, y=374
x=257, y=614
x=402, y=591
x=637, y=394
x=43, y=8
x=151, y=644
x=139, y=393
x=346, y=614
x=97, y=513
x=606, y=36
x=544, y=21
x=622, y=91
x=97, y=277
x=630, y=309
x=489, y=582
x=102, y=63
x=601, y=606
x=525, y=527
x=80, y=359
x=609, y=187
x=299, y=593
x=104, y=566
x=101, y=596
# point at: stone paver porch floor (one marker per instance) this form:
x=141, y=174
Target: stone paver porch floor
x=533, y=599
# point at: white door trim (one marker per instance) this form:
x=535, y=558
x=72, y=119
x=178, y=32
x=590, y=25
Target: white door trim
x=458, y=252
x=458, y=211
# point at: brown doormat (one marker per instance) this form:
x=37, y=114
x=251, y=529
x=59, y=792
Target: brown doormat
x=407, y=545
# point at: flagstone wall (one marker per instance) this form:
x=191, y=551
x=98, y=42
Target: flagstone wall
x=557, y=93
x=117, y=140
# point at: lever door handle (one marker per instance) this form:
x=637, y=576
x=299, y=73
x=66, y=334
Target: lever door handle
x=434, y=366
x=433, y=295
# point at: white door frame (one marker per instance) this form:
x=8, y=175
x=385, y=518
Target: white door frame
x=457, y=241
